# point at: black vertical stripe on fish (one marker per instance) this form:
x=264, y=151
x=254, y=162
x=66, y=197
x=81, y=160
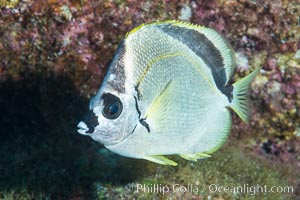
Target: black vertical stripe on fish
x=205, y=49
x=145, y=124
x=141, y=120
x=227, y=90
x=137, y=107
x=136, y=88
x=117, y=68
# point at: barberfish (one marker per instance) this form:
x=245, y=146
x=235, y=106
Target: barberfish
x=167, y=91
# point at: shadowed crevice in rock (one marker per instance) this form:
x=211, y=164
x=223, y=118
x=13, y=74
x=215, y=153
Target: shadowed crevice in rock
x=40, y=149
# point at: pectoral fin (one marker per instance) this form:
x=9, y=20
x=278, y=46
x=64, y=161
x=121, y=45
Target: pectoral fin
x=195, y=157
x=161, y=160
x=162, y=107
x=160, y=102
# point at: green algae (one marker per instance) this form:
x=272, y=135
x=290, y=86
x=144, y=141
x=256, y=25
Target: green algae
x=229, y=167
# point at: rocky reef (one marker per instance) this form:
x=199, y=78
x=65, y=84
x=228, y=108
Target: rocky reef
x=54, y=55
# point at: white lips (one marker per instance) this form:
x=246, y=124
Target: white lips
x=82, y=128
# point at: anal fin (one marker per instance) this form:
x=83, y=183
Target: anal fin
x=160, y=160
x=195, y=157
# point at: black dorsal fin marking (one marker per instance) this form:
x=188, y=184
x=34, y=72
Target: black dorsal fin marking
x=205, y=49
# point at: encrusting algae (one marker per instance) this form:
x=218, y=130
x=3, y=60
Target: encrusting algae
x=8, y=3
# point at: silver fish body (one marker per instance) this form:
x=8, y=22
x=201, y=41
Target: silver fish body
x=167, y=92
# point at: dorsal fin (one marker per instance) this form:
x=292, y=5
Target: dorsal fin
x=207, y=44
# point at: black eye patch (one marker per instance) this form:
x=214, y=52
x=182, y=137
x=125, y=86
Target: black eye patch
x=112, y=106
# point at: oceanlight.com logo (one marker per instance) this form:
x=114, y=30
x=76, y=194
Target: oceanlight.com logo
x=210, y=189
x=251, y=190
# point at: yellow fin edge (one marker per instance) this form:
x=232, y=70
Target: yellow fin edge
x=159, y=159
x=173, y=22
x=195, y=157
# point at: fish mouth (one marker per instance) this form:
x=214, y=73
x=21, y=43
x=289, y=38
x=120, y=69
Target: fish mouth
x=82, y=128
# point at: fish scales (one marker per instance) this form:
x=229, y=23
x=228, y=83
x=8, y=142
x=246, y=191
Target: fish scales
x=169, y=93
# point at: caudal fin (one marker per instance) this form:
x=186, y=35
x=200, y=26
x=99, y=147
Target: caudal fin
x=240, y=95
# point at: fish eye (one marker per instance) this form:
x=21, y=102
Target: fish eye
x=112, y=106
